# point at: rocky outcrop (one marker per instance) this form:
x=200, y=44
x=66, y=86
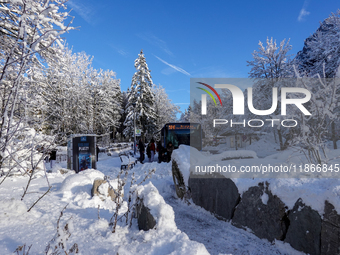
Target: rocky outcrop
x=145, y=219
x=330, y=231
x=305, y=228
x=177, y=176
x=65, y=171
x=216, y=194
x=105, y=191
x=262, y=212
x=321, y=51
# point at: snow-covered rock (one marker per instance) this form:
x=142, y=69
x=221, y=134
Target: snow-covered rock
x=166, y=234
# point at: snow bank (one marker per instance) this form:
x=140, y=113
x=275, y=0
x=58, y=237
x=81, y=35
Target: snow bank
x=187, y=156
x=77, y=188
x=165, y=238
x=182, y=157
x=74, y=181
x=162, y=212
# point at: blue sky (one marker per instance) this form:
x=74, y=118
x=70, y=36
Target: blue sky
x=188, y=39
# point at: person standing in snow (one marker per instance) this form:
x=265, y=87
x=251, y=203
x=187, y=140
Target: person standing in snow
x=169, y=150
x=152, y=149
x=53, y=157
x=97, y=151
x=160, y=151
x=148, y=151
x=141, y=150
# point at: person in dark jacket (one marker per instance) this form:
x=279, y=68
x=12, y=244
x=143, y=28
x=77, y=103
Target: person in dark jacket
x=53, y=157
x=152, y=150
x=160, y=151
x=141, y=150
x=97, y=151
x=169, y=150
x=148, y=151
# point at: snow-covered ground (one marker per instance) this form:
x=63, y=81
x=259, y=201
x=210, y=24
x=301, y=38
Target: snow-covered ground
x=184, y=229
x=264, y=147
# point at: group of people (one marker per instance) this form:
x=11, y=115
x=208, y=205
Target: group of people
x=164, y=154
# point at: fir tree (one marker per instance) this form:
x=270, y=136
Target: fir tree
x=141, y=100
x=165, y=110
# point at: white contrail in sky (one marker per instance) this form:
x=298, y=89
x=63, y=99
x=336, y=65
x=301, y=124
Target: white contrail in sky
x=174, y=67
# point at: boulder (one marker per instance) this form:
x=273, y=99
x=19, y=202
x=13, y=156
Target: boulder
x=330, y=231
x=101, y=191
x=304, y=232
x=65, y=171
x=262, y=212
x=145, y=219
x=178, y=180
x=215, y=193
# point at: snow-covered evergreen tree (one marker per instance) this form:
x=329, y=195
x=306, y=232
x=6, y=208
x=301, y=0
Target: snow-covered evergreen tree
x=142, y=96
x=106, y=98
x=165, y=110
x=185, y=117
x=123, y=114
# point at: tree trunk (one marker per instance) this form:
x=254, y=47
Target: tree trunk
x=274, y=135
x=334, y=136
x=280, y=138
x=236, y=142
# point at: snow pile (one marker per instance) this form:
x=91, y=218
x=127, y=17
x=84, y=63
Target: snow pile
x=163, y=213
x=76, y=188
x=104, y=189
x=75, y=181
x=187, y=156
x=165, y=238
x=12, y=207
